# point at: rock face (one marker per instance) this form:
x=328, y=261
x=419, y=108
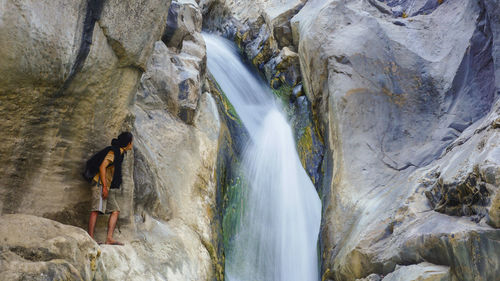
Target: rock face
x=408, y=109
x=174, y=169
x=422, y=271
x=70, y=87
x=48, y=251
x=403, y=93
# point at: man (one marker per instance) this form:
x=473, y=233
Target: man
x=107, y=167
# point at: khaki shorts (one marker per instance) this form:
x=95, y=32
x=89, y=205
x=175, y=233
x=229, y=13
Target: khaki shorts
x=104, y=206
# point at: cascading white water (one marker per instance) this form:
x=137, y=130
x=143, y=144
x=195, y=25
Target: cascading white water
x=278, y=232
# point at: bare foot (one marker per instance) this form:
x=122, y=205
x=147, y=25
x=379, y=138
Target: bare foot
x=113, y=242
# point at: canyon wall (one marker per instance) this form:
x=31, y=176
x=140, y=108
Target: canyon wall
x=394, y=106
x=404, y=95
x=74, y=76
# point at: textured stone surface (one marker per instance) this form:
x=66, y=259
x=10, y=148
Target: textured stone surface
x=406, y=93
x=35, y=248
x=177, y=131
x=407, y=109
x=52, y=124
x=160, y=251
x=132, y=40
x=179, y=93
x=371, y=277
x=32, y=31
x=421, y=272
x=184, y=20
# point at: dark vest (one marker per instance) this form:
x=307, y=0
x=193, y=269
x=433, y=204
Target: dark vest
x=93, y=164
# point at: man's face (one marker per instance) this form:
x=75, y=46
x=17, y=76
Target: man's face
x=129, y=146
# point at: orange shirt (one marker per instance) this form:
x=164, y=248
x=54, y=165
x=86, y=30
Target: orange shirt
x=110, y=169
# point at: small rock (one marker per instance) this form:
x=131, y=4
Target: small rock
x=371, y=277
x=422, y=271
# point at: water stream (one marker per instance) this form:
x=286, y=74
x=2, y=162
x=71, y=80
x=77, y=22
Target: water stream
x=276, y=239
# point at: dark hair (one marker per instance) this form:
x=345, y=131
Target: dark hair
x=123, y=139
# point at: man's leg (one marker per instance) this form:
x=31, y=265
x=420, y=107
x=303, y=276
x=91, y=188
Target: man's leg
x=111, y=228
x=92, y=221
x=96, y=205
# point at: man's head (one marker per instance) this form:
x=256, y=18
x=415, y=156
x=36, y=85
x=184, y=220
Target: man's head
x=124, y=140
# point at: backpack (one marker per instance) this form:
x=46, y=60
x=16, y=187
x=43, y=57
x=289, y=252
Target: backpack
x=92, y=165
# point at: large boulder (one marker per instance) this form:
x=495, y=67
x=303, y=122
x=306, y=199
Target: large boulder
x=160, y=251
x=37, y=49
x=35, y=248
x=177, y=138
x=132, y=27
x=184, y=20
x=72, y=71
x=87, y=81
x=408, y=108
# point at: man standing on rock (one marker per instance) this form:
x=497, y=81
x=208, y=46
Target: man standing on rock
x=106, y=169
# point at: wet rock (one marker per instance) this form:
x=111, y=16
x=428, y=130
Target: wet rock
x=468, y=196
x=309, y=144
x=261, y=49
x=494, y=213
x=297, y=91
x=285, y=67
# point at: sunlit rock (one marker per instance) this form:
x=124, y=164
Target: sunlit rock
x=35, y=248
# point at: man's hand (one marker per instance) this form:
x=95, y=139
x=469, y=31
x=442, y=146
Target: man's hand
x=102, y=176
x=104, y=192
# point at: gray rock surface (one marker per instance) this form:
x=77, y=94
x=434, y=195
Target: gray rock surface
x=131, y=40
x=174, y=169
x=408, y=109
x=405, y=92
x=59, y=115
x=70, y=105
x=371, y=277
x=35, y=248
x=184, y=20
x=174, y=178
x=421, y=272
x=47, y=46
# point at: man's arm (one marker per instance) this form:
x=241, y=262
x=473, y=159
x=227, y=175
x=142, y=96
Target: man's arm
x=102, y=175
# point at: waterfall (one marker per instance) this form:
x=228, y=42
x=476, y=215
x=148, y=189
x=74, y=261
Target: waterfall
x=276, y=239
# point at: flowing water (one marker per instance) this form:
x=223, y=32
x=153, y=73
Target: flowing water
x=276, y=239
